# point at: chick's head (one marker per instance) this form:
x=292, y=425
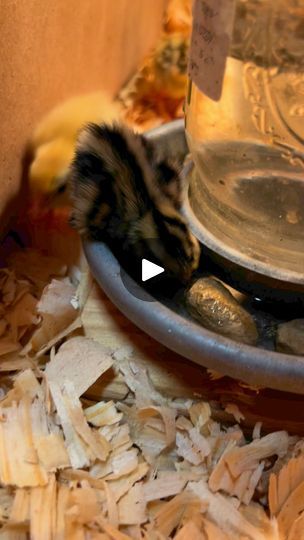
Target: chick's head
x=170, y=65
x=49, y=168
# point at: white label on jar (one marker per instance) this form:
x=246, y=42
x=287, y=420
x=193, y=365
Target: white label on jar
x=210, y=40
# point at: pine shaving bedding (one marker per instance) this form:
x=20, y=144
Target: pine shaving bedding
x=146, y=467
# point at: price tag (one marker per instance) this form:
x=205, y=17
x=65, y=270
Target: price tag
x=210, y=41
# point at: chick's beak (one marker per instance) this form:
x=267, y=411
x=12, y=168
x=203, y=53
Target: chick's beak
x=185, y=276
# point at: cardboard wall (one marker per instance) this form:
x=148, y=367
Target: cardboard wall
x=50, y=50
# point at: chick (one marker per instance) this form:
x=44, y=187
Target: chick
x=53, y=142
x=124, y=195
x=155, y=94
x=170, y=66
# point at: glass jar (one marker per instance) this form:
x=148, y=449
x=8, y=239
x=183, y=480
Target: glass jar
x=247, y=188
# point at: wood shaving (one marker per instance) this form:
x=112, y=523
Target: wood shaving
x=103, y=414
x=188, y=449
x=130, y=465
x=190, y=530
x=200, y=414
x=170, y=514
x=77, y=451
x=296, y=531
x=123, y=463
x=37, y=268
x=291, y=510
x=256, y=433
x=19, y=463
x=246, y=457
x=18, y=313
x=168, y=418
x=286, y=496
x=282, y=484
x=132, y=506
x=222, y=512
x=139, y=383
x=121, y=486
x=172, y=484
x=232, y=408
x=57, y=314
x=215, y=375
x=80, y=359
x=14, y=362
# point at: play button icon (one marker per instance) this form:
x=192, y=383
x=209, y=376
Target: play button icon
x=150, y=270
x=140, y=276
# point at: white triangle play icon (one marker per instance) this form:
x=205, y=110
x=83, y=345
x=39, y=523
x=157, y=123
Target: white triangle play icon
x=150, y=269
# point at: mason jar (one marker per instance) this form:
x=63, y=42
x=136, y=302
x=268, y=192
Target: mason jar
x=247, y=140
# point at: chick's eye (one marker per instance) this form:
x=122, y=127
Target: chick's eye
x=88, y=165
x=61, y=189
x=166, y=173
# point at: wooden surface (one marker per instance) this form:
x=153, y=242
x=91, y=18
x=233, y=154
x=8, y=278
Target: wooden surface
x=52, y=50
x=176, y=377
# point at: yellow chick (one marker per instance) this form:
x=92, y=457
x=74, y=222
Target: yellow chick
x=53, y=141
